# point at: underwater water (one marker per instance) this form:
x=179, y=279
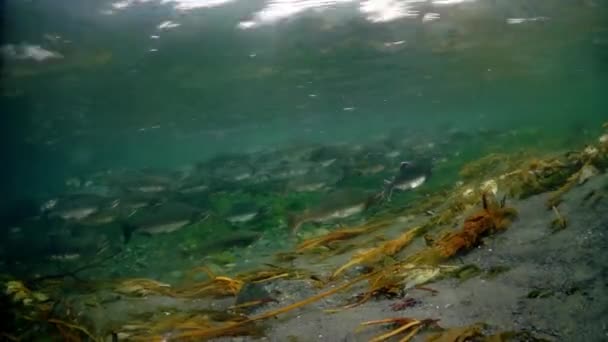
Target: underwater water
x=188, y=169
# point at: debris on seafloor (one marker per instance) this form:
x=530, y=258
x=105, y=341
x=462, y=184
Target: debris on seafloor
x=404, y=303
x=559, y=222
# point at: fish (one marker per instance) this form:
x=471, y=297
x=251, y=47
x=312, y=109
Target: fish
x=243, y=212
x=410, y=176
x=319, y=179
x=337, y=205
x=75, y=207
x=162, y=218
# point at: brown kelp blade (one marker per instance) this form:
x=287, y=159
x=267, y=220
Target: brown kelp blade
x=229, y=328
x=373, y=255
x=342, y=234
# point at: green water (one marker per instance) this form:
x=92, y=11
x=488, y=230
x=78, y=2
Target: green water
x=120, y=98
x=212, y=87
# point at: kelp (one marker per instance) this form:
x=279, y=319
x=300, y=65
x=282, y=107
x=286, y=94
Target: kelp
x=395, y=279
x=486, y=166
x=537, y=176
x=71, y=332
x=204, y=328
x=218, y=286
x=19, y=293
x=492, y=218
x=234, y=328
x=561, y=174
x=374, y=255
x=215, y=286
x=143, y=287
x=33, y=311
x=408, y=326
x=579, y=177
x=182, y=323
x=423, y=266
x=342, y=234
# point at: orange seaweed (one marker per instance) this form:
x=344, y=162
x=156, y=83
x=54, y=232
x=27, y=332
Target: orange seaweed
x=374, y=255
x=492, y=218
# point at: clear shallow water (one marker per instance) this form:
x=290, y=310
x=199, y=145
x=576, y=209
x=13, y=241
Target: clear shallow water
x=131, y=100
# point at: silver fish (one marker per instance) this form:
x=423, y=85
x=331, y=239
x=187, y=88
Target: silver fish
x=410, y=176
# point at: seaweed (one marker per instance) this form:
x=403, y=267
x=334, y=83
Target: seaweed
x=492, y=218
x=142, y=287
x=246, y=325
x=396, y=278
x=537, y=176
x=374, y=255
x=340, y=235
x=403, y=325
x=466, y=272
x=66, y=330
x=483, y=167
